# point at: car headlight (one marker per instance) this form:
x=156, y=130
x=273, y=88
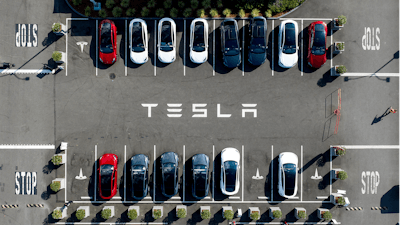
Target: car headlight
x=309, y=64
x=113, y=60
x=101, y=60
x=114, y=157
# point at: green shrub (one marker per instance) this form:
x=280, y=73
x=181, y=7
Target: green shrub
x=76, y=2
x=339, y=150
x=340, y=46
x=174, y=12
x=255, y=12
x=341, y=201
x=283, y=5
x=125, y=3
x=110, y=3
x=241, y=13
x=205, y=214
x=56, y=27
x=57, y=214
x=157, y=214
x=226, y=12
x=277, y=214
x=145, y=11
x=214, y=12
x=201, y=13
x=228, y=214
x=219, y=4
x=268, y=13
x=187, y=12
x=106, y=214
x=255, y=216
x=181, y=213
x=132, y=214
x=342, y=20
x=181, y=4
x=151, y=4
x=130, y=12
x=160, y=12
x=88, y=11
x=342, y=175
x=80, y=214
x=194, y=3
x=102, y=13
x=341, y=69
x=117, y=11
x=56, y=160
x=302, y=214
x=206, y=4
x=167, y=4
x=327, y=215
x=55, y=186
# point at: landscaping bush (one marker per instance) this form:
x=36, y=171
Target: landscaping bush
x=255, y=12
x=206, y=4
x=56, y=27
x=342, y=20
x=181, y=4
x=130, y=12
x=55, y=186
x=255, y=216
x=340, y=151
x=110, y=3
x=76, y=2
x=228, y=214
x=102, y=13
x=145, y=12
x=342, y=175
x=248, y=4
x=181, y=213
x=160, y=12
x=277, y=214
x=56, y=160
x=132, y=214
x=80, y=214
x=327, y=215
x=187, y=12
x=125, y=3
x=151, y=4
x=194, y=3
x=214, y=12
x=241, y=13
x=106, y=214
x=341, y=201
x=157, y=214
x=117, y=11
x=341, y=69
x=219, y=4
x=340, y=46
x=268, y=13
x=174, y=12
x=226, y=12
x=201, y=13
x=57, y=214
x=88, y=11
x=283, y=5
x=205, y=214
x=302, y=214
x=168, y=4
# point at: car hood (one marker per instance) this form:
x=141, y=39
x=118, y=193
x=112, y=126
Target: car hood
x=139, y=160
x=198, y=57
x=169, y=157
x=288, y=157
x=288, y=60
x=317, y=60
x=232, y=61
x=200, y=160
x=108, y=159
x=230, y=154
x=108, y=57
x=257, y=59
x=139, y=57
x=166, y=57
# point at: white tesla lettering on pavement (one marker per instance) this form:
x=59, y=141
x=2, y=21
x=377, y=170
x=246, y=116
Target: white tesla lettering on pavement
x=371, y=183
x=26, y=35
x=199, y=110
x=368, y=39
x=25, y=183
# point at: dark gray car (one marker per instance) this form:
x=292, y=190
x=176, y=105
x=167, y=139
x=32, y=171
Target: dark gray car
x=169, y=172
x=200, y=167
x=230, y=43
x=258, y=40
x=139, y=176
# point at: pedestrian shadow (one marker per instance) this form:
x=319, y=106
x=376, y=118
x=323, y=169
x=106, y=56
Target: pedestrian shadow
x=378, y=119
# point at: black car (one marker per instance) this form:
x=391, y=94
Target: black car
x=169, y=172
x=139, y=176
x=230, y=43
x=200, y=166
x=258, y=40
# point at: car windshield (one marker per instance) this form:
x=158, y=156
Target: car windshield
x=137, y=37
x=200, y=176
x=106, y=43
x=105, y=174
x=231, y=42
x=138, y=173
x=166, y=38
x=230, y=175
x=169, y=178
x=290, y=178
x=257, y=43
x=198, y=42
x=318, y=47
x=290, y=39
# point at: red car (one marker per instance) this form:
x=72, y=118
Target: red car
x=317, y=32
x=108, y=175
x=107, y=42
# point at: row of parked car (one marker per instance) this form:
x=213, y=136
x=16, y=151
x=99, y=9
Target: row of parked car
x=230, y=47
x=229, y=181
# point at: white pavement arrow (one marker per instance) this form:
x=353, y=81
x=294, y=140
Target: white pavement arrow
x=316, y=177
x=257, y=176
x=80, y=177
x=82, y=44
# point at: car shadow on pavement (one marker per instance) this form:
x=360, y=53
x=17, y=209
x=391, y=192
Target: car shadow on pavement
x=391, y=200
x=91, y=188
x=47, y=193
x=327, y=78
x=325, y=182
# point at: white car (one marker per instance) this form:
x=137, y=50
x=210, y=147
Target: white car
x=230, y=164
x=166, y=40
x=287, y=174
x=138, y=41
x=287, y=44
x=198, y=41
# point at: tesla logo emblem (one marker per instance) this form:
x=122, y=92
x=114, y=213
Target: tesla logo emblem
x=199, y=110
x=82, y=44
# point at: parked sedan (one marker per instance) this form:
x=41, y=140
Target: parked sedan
x=287, y=174
x=139, y=176
x=166, y=40
x=198, y=41
x=317, y=32
x=200, y=166
x=169, y=173
x=108, y=175
x=288, y=44
x=258, y=40
x=230, y=43
x=230, y=160
x=138, y=41
x=107, y=42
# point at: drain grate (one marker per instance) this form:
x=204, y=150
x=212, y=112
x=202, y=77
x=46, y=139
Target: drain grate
x=112, y=76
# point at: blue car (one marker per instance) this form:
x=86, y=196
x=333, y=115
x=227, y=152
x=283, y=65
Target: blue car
x=139, y=176
x=258, y=40
x=230, y=43
x=200, y=167
x=169, y=173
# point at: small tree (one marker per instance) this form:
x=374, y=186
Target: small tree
x=226, y=12
x=339, y=150
x=242, y=13
x=102, y=13
x=132, y=214
x=80, y=214
x=340, y=46
x=151, y=4
x=228, y=214
x=56, y=160
x=130, y=12
x=106, y=214
x=56, y=27
x=201, y=13
x=194, y=3
x=255, y=12
x=145, y=11
x=181, y=4
x=327, y=215
x=117, y=11
x=125, y=3
x=168, y=4
x=181, y=213
x=268, y=13
x=55, y=186
x=57, y=214
x=277, y=214
x=110, y=3
x=341, y=69
x=302, y=214
x=160, y=12
x=88, y=11
x=219, y=4
x=187, y=12
x=174, y=12
x=214, y=12
x=157, y=214
x=342, y=20
x=76, y=2
x=342, y=175
x=205, y=214
x=340, y=201
x=255, y=215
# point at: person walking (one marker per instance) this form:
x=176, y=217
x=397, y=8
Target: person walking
x=393, y=110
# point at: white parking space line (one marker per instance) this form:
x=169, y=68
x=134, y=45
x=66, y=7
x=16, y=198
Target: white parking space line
x=242, y=172
x=306, y=19
x=207, y=197
x=116, y=197
x=176, y=197
x=364, y=147
x=184, y=184
x=65, y=175
x=272, y=53
x=86, y=197
x=281, y=223
x=330, y=171
x=184, y=51
x=155, y=49
x=95, y=168
x=234, y=197
x=322, y=197
x=331, y=51
x=262, y=197
x=154, y=174
x=272, y=172
x=30, y=147
x=213, y=180
x=126, y=54
x=97, y=48
x=370, y=74
x=302, y=50
x=243, y=49
x=202, y=202
x=125, y=168
x=301, y=182
x=147, y=197
x=213, y=54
